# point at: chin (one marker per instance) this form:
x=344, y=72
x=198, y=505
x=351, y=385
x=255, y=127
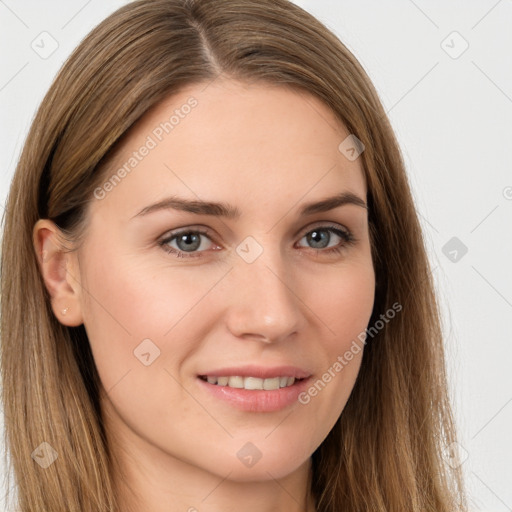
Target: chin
x=260, y=472
x=267, y=463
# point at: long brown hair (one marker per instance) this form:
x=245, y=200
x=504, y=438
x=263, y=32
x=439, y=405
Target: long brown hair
x=385, y=453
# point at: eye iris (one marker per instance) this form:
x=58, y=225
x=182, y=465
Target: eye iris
x=192, y=241
x=319, y=236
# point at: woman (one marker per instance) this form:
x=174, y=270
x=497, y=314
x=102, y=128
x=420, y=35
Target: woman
x=215, y=293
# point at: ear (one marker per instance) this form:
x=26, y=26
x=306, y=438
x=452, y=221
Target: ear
x=60, y=271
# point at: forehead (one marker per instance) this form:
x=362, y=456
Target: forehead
x=213, y=140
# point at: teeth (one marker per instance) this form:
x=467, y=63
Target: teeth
x=270, y=384
x=236, y=382
x=239, y=382
x=253, y=383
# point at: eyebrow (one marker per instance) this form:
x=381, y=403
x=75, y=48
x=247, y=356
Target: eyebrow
x=231, y=212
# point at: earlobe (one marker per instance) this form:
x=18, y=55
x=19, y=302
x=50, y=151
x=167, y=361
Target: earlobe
x=59, y=270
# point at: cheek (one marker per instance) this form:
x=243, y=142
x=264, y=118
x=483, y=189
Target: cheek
x=343, y=304
x=343, y=301
x=129, y=301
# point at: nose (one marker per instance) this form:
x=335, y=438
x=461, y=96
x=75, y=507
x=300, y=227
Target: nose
x=264, y=305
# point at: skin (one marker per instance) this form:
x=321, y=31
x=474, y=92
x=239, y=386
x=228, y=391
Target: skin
x=266, y=150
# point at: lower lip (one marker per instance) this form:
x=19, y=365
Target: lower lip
x=257, y=400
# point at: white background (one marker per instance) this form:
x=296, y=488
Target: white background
x=453, y=119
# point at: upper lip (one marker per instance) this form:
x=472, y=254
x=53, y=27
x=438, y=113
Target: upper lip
x=259, y=372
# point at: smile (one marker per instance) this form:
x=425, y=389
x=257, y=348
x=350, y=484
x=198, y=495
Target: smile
x=252, y=383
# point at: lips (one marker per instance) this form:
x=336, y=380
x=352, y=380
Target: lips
x=249, y=396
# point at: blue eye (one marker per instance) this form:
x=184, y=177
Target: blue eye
x=321, y=236
x=190, y=241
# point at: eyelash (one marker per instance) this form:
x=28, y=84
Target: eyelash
x=347, y=237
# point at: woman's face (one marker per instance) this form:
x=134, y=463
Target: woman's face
x=171, y=296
